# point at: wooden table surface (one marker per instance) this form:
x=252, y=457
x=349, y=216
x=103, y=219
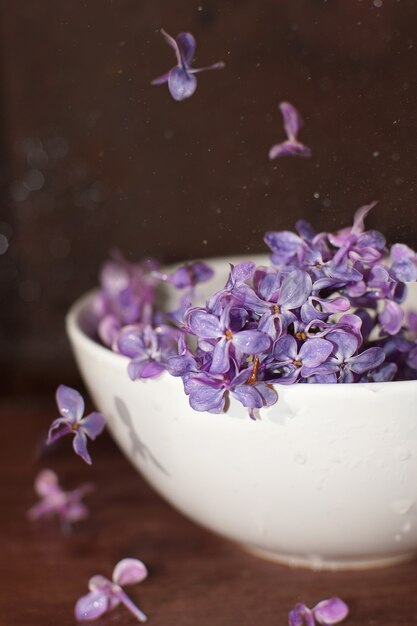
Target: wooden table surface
x=195, y=579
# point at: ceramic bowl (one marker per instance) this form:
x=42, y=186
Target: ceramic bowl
x=327, y=478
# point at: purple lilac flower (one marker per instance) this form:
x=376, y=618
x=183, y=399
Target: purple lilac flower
x=345, y=362
x=147, y=347
x=224, y=332
x=327, y=311
x=181, y=79
x=127, y=295
x=292, y=125
x=54, y=500
x=105, y=594
x=71, y=407
x=330, y=611
x=291, y=362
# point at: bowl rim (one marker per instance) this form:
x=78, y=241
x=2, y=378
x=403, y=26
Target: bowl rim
x=81, y=338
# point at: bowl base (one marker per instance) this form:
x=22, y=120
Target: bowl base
x=318, y=563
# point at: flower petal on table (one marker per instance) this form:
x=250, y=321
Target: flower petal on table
x=129, y=571
x=91, y=606
x=331, y=611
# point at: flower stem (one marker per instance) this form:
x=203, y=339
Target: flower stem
x=124, y=599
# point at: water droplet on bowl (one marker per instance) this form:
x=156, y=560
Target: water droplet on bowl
x=402, y=506
x=402, y=453
x=300, y=458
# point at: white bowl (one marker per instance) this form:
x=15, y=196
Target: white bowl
x=326, y=479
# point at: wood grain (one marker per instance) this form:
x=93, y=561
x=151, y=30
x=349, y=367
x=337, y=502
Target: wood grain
x=195, y=577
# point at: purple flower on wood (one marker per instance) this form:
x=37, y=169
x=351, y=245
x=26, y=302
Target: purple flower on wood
x=54, y=500
x=181, y=79
x=71, y=407
x=292, y=125
x=105, y=594
x=328, y=612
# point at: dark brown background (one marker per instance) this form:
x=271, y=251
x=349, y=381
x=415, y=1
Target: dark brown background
x=93, y=157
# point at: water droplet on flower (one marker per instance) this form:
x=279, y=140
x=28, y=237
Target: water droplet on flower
x=402, y=506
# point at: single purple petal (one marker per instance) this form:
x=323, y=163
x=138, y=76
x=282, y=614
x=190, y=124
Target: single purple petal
x=186, y=46
x=93, y=424
x=203, y=396
x=314, y=352
x=251, y=341
x=382, y=374
x=331, y=611
x=129, y=572
x=70, y=403
x=59, y=428
x=181, y=84
x=220, y=362
x=180, y=365
x=43, y=508
x=345, y=343
x=292, y=119
x=295, y=289
x=391, y=317
x=240, y=273
x=373, y=357
x=108, y=328
x=289, y=148
x=284, y=245
x=359, y=217
x=204, y=324
x=285, y=349
x=80, y=446
x=404, y=270
x=401, y=252
x=130, y=340
x=91, y=606
x=172, y=42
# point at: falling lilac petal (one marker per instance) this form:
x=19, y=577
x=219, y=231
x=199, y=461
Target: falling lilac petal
x=292, y=125
x=181, y=80
x=71, y=407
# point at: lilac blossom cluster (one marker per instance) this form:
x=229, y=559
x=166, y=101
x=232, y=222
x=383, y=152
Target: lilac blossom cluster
x=327, y=310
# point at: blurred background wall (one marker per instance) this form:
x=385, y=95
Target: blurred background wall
x=93, y=157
